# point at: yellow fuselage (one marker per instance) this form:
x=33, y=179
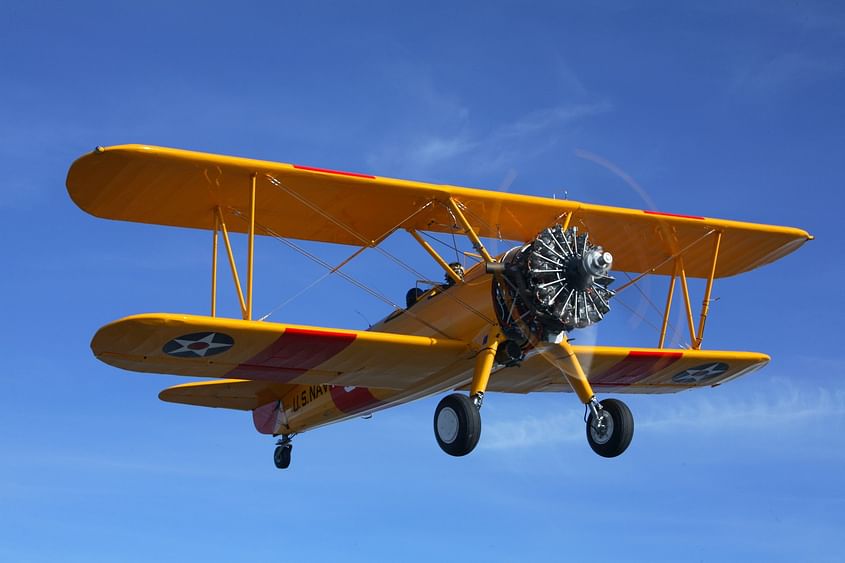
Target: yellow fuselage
x=460, y=312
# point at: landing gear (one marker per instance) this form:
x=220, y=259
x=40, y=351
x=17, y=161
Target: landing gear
x=281, y=456
x=610, y=427
x=457, y=424
x=457, y=420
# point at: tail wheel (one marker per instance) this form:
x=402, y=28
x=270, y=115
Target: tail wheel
x=611, y=433
x=281, y=456
x=457, y=424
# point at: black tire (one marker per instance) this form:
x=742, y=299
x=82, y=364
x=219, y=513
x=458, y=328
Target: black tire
x=459, y=425
x=620, y=432
x=281, y=457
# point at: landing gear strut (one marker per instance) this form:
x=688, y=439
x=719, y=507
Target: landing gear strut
x=610, y=425
x=281, y=456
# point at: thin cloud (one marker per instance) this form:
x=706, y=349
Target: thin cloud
x=530, y=134
x=786, y=406
x=438, y=149
x=785, y=70
x=542, y=120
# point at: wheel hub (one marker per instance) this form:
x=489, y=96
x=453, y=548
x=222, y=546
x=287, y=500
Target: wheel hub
x=447, y=425
x=601, y=427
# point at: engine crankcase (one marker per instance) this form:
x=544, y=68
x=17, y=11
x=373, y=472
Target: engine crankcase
x=556, y=283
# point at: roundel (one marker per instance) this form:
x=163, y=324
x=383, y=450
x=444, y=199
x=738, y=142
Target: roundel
x=199, y=345
x=701, y=373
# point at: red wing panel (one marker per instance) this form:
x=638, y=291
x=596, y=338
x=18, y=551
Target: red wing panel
x=292, y=354
x=637, y=365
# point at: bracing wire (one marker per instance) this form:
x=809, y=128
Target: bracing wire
x=332, y=270
x=437, y=240
x=650, y=302
x=375, y=243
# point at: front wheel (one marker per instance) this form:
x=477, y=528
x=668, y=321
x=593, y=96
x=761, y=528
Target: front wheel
x=457, y=424
x=611, y=433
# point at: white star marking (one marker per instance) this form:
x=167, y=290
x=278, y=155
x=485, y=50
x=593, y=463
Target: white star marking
x=185, y=345
x=700, y=374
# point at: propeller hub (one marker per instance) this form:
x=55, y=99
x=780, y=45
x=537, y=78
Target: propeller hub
x=597, y=262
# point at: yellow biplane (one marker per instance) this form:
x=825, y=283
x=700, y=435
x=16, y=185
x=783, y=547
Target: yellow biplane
x=499, y=325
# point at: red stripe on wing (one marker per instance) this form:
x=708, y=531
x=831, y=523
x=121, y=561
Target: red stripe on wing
x=636, y=366
x=296, y=351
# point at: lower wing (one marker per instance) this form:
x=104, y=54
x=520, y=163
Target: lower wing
x=609, y=369
x=257, y=362
x=628, y=370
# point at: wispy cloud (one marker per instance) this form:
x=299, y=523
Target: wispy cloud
x=531, y=431
x=545, y=119
x=421, y=154
x=437, y=149
x=786, y=406
x=785, y=71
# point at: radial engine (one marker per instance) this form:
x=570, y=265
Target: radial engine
x=554, y=284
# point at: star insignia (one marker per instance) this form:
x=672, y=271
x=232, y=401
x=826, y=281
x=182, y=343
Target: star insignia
x=199, y=345
x=701, y=373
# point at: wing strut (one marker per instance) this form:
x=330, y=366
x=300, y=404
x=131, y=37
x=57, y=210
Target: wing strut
x=668, y=308
x=436, y=256
x=235, y=278
x=705, y=305
x=214, y=265
x=220, y=225
x=679, y=271
x=250, y=248
x=687, y=303
x=470, y=232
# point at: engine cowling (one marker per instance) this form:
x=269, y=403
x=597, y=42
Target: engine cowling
x=556, y=283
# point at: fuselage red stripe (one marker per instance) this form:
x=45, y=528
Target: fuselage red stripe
x=292, y=354
x=353, y=401
x=329, y=171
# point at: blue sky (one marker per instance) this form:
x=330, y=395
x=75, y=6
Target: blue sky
x=719, y=110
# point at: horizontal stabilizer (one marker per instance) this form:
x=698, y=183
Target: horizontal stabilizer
x=226, y=393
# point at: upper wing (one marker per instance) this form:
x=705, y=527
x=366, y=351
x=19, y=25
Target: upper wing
x=182, y=188
x=276, y=353
x=628, y=370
